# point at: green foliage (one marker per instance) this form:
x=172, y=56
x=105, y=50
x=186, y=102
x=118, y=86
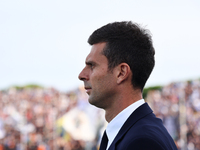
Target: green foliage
x=146, y=90
x=29, y=86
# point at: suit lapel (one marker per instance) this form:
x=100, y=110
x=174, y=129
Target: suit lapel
x=139, y=113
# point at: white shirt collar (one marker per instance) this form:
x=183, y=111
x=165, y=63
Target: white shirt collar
x=116, y=123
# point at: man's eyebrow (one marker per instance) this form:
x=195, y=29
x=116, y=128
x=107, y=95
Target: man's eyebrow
x=89, y=62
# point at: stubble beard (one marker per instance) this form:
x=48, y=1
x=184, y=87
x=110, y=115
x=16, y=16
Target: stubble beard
x=95, y=100
x=100, y=100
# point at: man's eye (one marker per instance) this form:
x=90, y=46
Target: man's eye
x=92, y=66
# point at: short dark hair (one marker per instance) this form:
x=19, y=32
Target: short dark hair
x=127, y=42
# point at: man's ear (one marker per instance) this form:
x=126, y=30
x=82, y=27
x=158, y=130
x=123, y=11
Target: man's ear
x=123, y=73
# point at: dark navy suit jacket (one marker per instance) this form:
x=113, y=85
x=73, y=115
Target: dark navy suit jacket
x=143, y=131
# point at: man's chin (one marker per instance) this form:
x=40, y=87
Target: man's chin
x=94, y=103
x=91, y=100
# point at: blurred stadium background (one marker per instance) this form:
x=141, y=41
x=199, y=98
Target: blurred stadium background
x=37, y=118
x=45, y=42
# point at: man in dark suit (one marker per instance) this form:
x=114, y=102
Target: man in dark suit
x=117, y=68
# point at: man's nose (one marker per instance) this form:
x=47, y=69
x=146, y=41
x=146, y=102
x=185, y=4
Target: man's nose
x=83, y=76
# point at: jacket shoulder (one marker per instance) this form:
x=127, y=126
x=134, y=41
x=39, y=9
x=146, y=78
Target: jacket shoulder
x=144, y=143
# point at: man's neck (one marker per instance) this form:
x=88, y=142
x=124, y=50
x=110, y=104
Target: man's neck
x=120, y=104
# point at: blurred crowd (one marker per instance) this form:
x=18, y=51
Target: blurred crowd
x=178, y=105
x=48, y=119
x=36, y=119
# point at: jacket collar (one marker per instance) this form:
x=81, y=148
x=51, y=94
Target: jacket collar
x=139, y=113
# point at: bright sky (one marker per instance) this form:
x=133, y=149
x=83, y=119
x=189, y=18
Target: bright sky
x=45, y=41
